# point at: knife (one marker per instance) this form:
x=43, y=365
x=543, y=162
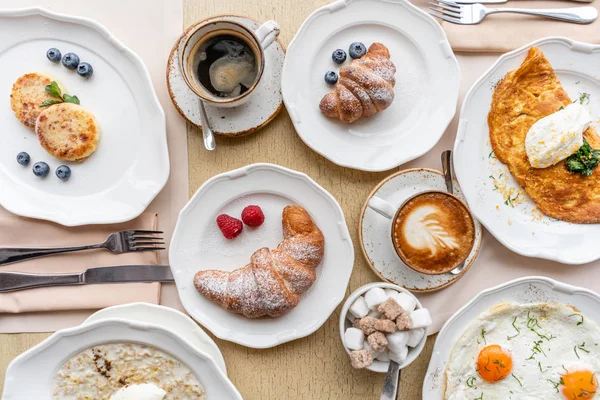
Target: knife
x=503, y=1
x=11, y=281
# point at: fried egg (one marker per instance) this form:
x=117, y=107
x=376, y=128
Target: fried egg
x=523, y=352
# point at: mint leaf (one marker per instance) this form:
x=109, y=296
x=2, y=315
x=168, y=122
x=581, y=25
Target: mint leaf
x=50, y=102
x=71, y=99
x=53, y=90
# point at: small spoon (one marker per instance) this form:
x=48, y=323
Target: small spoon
x=392, y=378
x=447, y=170
x=207, y=133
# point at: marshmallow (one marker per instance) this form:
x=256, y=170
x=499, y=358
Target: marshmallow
x=415, y=336
x=397, y=340
x=399, y=356
x=366, y=346
x=390, y=293
x=406, y=301
x=375, y=297
x=383, y=356
x=359, y=308
x=420, y=318
x=354, y=338
x=374, y=314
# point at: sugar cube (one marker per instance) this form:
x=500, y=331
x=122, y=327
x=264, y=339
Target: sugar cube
x=415, y=336
x=420, y=318
x=383, y=356
x=390, y=293
x=390, y=308
x=367, y=346
x=350, y=317
x=359, y=308
x=354, y=338
x=406, y=301
x=375, y=297
x=397, y=340
x=361, y=359
x=399, y=356
x=374, y=314
x=377, y=341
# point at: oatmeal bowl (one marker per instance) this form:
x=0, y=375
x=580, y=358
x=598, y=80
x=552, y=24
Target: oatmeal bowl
x=114, y=359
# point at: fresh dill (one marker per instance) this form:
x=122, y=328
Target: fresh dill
x=556, y=384
x=580, y=347
x=584, y=98
x=580, y=322
x=516, y=329
x=471, y=382
x=483, y=332
x=517, y=379
x=510, y=200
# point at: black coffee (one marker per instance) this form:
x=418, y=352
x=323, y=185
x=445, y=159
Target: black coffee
x=227, y=66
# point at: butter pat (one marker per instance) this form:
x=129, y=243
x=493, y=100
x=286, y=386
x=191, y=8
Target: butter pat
x=146, y=391
x=557, y=136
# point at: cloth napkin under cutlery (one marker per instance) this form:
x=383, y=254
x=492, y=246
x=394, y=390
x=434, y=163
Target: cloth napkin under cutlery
x=23, y=232
x=505, y=32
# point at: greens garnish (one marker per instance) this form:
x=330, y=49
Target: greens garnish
x=53, y=90
x=584, y=98
x=584, y=161
x=516, y=329
x=578, y=316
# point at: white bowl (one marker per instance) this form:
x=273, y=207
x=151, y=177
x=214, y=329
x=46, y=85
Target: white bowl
x=43, y=360
x=379, y=366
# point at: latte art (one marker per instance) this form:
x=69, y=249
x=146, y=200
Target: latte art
x=423, y=230
x=433, y=233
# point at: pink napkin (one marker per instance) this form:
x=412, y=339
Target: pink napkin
x=505, y=32
x=23, y=232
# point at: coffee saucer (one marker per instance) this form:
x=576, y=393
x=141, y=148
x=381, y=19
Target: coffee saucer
x=258, y=111
x=375, y=231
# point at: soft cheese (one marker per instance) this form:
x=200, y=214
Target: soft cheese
x=557, y=136
x=145, y=391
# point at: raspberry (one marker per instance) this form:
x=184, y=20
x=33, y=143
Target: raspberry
x=253, y=216
x=229, y=226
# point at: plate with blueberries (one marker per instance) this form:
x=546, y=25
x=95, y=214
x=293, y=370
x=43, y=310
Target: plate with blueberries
x=84, y=136
x=370, y=84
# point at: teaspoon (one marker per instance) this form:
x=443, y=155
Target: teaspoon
x=447, y=170
x=207, y=133
x=392, y=378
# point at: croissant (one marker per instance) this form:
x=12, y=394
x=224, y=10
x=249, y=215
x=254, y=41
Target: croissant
x=274, y=281
x=365, y=87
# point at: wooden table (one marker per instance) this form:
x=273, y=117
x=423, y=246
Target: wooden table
x=315, y=367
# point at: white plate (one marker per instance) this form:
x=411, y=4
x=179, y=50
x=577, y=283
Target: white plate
x=168, y=318
x=523, y=290
x=427, y=83
x=376, y=238
x=521, y=230
x=131, y=165
x=198, y=244
x=43, y=360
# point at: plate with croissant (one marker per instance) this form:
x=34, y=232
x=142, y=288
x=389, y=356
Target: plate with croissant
x=370, y=84
x=261, y=255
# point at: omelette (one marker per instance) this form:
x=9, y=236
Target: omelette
x=523, y=97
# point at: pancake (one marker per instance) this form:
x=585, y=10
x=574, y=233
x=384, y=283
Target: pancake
x=68, y=131
x=28, y=93
x=524, y=96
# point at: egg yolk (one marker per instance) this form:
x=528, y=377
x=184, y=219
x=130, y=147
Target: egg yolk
x=494, y=363
x=580, y=385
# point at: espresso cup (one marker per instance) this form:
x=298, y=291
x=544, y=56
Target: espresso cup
x=432, y=232
x=189, y=57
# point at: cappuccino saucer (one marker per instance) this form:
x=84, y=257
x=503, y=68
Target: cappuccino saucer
x=258, y=111
x=375, y=230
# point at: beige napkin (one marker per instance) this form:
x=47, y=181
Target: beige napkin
x=505, y=32
x=23, y=232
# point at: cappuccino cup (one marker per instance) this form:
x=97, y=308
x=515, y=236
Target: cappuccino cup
x=432, y=232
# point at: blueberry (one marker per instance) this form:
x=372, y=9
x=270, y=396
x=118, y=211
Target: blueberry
x=70, y=60
x=357, y=50
x=63, y=172
x=41, y=169
x=84, y=69
x=338, y=56
x=53, y=55
x=23, y=158
x=331, y=77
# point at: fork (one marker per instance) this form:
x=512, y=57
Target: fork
x=470, y=14
x=117, y=243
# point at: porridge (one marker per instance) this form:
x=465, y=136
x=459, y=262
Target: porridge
x=101, y=371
